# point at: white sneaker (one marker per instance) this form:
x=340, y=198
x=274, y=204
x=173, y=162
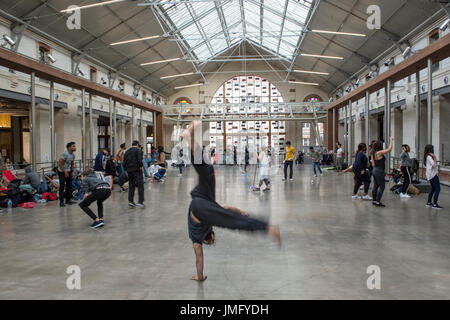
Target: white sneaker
x=405, y=195
x=321, y=174
x=291, y=179
x=283, y=179
x=180, y=175
x=356, y=197
x=315, y=175
x=367, y=197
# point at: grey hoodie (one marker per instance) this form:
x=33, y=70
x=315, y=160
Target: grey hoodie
x=91, y=182
x=31, y=177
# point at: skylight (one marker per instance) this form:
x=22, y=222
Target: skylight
x=209, y=28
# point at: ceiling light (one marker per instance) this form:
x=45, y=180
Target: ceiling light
x=306, y=83
x=189, y=85
x=339, y=33
x=178, y=75
x=92, y=5
x=406, y=52
x=8, y=40
x=51, y=58
x=389, y=62
x=320, y=56
x=311, y=72
x=134, y=40
x=160, y=61
x=445, y=25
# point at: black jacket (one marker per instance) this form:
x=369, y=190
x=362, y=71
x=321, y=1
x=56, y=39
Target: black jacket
x=132, y=160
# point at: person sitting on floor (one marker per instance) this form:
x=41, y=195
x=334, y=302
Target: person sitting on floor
x=32, y=178
x=157, y=172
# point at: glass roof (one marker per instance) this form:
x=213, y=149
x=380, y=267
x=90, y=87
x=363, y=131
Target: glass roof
x=209, y=28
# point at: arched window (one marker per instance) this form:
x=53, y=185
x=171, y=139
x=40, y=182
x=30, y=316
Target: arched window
x=247, y=96
x=184, y=104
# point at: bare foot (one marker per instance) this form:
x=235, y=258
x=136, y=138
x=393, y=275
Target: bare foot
x=274, y=231
x=195, y=277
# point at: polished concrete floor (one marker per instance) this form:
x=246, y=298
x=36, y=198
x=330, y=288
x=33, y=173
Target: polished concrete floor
x=329, y=241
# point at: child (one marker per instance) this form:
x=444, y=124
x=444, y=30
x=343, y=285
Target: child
x=157, y=172
x=264, y=167
x=94, y=190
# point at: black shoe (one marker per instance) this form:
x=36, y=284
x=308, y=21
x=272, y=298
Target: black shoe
x=61, y=204
x=131, y=204
x=429, y=204
x=380, y=204
x=436, y=206
x=70, y=202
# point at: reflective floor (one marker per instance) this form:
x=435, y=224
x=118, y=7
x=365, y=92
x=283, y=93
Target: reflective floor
x=329, y=241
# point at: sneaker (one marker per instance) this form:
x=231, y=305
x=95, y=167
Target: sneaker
x=283, y=179
x=367, y=197
x=96, y=224
x=356, y=197
x=140, y=205
x=291, y=179
x=404, y=195
x=380, y=204
x=429, y=204
x=180, y=175
x=103, y=222
x=321, y=174
x=436, y=206
x=122, y=190
x=315, y=175
x=131, y=204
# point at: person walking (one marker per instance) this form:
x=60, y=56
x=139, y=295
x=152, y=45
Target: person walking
x=180, y=162
x=378, y=172
x=246, y=158
x=132, y=164
x=406, y=171
x=433, y=176
x=315, y=157
x=94, y=189
x=66, y=171
x=361, y=171
x=289, y=161
x=265, y=163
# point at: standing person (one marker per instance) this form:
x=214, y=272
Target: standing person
x=361, y=171
x=289, y=161
x=264, y=169
x=213, y=154
x=180, y=162
x=315, y=157
x=339, y=157
x=378, y=172
x=94, y=189
x=132, y=163
x=100, y=161
x=246, y=158
x=234, y=155
x=119, y=158
x=66, y=170
x=406, y=170
x=433, y=176
x=204, y=212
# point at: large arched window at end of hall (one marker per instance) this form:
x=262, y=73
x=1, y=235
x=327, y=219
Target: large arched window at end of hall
x=247, y=95
x=184, y=107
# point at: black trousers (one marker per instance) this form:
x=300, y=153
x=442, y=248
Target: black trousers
x=65, y=187
x=378, y=184
x=136, y=179
x=286, y=165
x=99, y=195
x=212, y=213
x=362, y=179
x=406, y=171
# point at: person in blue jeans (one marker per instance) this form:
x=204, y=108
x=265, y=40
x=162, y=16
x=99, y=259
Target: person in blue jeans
x=315, y=157
x=148, y=162
x=180, y=162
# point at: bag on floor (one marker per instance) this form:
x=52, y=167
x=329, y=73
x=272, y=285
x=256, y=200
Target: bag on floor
x=413, y=190
x=27, y=205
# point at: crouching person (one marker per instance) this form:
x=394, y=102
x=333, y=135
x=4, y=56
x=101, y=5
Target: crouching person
x=94, y=190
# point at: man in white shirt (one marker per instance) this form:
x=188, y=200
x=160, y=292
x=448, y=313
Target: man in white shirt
x=339, y=156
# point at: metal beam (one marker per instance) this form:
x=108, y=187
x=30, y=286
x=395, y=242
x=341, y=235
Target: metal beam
x=91, y=129
x=83, y=128
x=52, y=123
x=387, y=111
x=418, y=105
x=33, y=120
x=366, y=119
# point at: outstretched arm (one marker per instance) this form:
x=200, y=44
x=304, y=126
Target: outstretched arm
x=231, y=208
x=198, y=249
x=389, y=149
